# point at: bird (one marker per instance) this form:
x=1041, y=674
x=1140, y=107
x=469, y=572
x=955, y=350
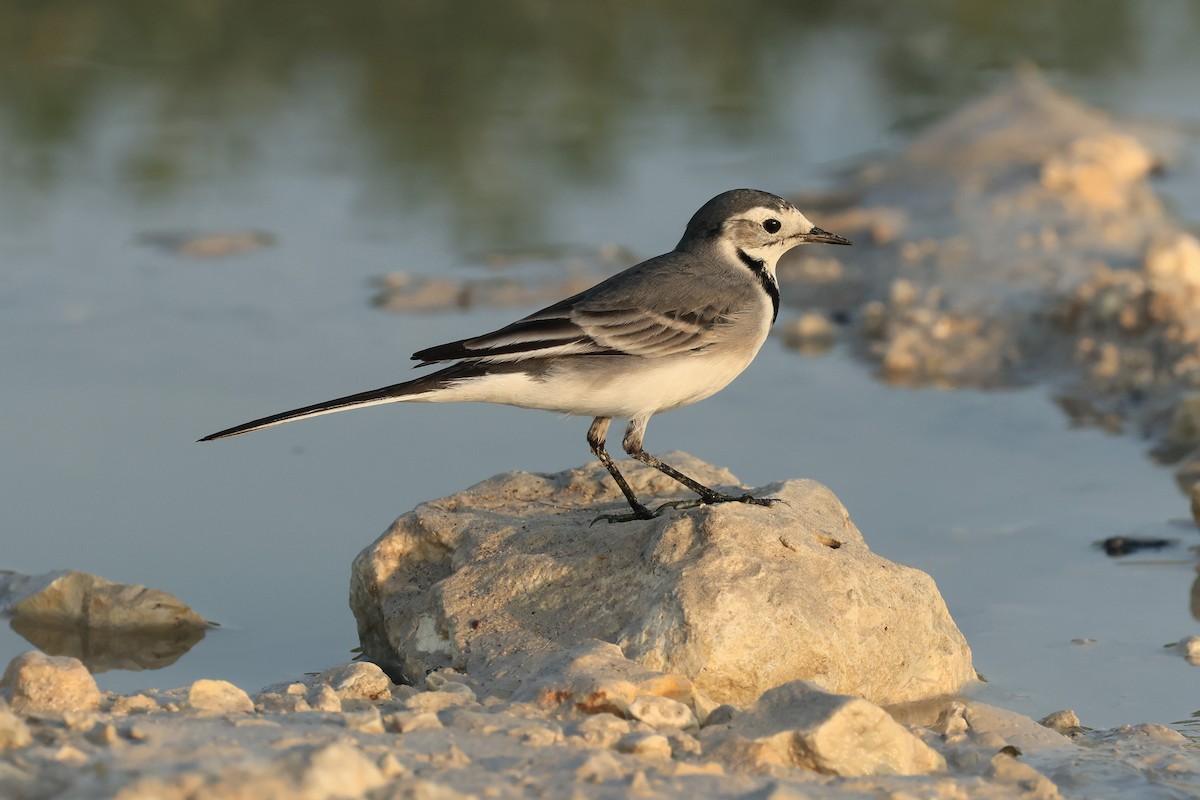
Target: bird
x=662, y=334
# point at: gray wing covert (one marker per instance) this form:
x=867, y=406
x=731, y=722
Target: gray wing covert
x=628, y=314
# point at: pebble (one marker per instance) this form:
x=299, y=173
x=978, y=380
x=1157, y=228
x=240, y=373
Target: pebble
x=134, y=704
x=409, y=721
x=218, y=697
x=662, y=712
x=600, y=730
x=53, y=685
x=324, y=697
x=1065, y=722
x=652, y=746
x=437, y=701
x=13, y=731
x=1189, y=648
x=367, y=720
x=360, y=680
x=600, y=767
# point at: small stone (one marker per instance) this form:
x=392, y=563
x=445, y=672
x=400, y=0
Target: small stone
x=799, y=725
x=1151, y=731
x=460, y=689
x=438, y=679
x=704, y=768
x=324, y=697
x=1065, y=722
x=218, y=697
x=137, y=733
x=365, y=721
x=1030, y=783
x=601, y=730
x=134, y=704
x=422, y=789
x=951, y=722
x=450, y=758
x=340, y=770
x=993, y=728
x=279, y=703
x=391, y=767
x=1189, y=648
x=13, y=731
x=403, y=691
x=360, y=680
x=684, y=744
x=600, y=767
x=651, y=746
x=1175, y=257
x=104, y=733
x=43, y=684
x=537, y=735
x=662, y=712
x=721, y=715
x=69, y=754
x=436, y=701
x=409, y=721
x=79, y=720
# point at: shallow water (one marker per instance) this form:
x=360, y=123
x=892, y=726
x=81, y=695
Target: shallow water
x=365, y=149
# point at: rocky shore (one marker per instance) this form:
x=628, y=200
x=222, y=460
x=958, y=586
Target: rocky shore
x=720, y=651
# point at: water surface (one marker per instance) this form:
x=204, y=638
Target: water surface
x=421, y=139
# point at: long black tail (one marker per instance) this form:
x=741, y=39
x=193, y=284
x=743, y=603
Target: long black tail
x=388, y=394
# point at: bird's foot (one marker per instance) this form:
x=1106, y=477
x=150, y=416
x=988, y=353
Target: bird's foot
x=639, y=512
x=718, y=497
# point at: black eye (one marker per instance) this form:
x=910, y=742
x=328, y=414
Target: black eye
x=771, y=225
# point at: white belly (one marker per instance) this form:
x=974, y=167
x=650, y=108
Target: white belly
x=612, y=386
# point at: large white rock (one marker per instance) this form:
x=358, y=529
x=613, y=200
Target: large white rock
x=503, y=577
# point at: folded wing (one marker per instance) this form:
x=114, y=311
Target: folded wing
x=605, y=320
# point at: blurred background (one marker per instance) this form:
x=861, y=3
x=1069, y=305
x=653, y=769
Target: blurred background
x=197, y=200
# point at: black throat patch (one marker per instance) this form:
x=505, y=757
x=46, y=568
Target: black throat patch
x=759, y=268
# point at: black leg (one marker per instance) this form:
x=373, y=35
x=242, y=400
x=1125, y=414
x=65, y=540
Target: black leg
x=596, y=436
x=708, y=495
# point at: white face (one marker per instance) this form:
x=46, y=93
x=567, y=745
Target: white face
x=765, y=234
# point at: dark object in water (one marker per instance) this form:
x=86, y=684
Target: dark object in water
x=1125, y=545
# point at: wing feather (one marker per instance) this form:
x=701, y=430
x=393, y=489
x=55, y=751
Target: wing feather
x=629, y=314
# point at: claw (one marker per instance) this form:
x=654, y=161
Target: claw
x=682, y=505
x=639, y=512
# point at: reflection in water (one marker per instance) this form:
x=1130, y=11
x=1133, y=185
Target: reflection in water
x=105, y=625
x=101, y=650
x=492, y=101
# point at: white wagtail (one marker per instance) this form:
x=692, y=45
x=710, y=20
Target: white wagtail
x=662, y=334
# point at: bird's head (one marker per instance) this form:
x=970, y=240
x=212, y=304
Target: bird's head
x=748, y=223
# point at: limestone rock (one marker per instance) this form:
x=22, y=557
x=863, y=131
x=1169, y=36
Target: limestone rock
x=106, y=625
x=218, y=697
x=595, y=677
x=1025, y=781
x=662, y=712
x=1011, y=728
x=13, y=730
x=798, y=725
x=70, y=597
x=358, y=681
x=509, y=574
x=42, y=684
x=1065, y=722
